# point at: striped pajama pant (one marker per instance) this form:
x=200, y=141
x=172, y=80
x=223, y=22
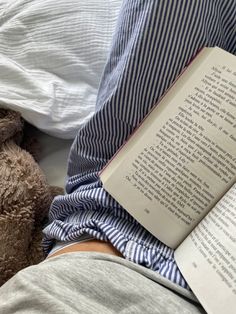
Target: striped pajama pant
x=152, y=43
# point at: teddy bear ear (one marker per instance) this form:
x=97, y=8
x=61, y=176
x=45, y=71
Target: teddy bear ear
x=11, y=124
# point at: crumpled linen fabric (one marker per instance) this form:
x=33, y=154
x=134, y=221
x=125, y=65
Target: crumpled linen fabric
x=52, y=55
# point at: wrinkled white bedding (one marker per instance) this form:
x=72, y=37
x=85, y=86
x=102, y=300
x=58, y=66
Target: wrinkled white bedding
x=52, y=54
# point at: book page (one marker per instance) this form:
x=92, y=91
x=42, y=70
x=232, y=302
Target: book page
x=207, y=258
x=182, y=158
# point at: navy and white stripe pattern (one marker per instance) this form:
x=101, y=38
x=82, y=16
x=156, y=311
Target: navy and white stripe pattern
x=152, y=43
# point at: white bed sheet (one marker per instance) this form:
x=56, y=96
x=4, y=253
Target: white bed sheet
x=53, y=157
x=52, y=54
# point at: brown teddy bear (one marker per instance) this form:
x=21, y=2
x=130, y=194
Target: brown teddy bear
x=25, y=198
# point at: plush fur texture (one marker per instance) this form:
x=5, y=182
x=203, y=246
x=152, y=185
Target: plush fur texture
x=25, y=198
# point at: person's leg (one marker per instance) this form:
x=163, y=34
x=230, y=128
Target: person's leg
x=153, y=42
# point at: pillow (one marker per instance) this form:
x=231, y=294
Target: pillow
x=52, y=54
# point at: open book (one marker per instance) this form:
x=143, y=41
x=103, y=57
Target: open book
x=176, y=176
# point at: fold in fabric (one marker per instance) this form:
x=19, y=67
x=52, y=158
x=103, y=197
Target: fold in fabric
x=52, y=55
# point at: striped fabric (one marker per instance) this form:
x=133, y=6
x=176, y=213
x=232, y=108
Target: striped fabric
x=152, y=43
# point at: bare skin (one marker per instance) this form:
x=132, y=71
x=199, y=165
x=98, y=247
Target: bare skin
x=89, y=246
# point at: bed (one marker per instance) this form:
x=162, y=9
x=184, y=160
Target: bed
x=52, y=54
x=53, y=157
